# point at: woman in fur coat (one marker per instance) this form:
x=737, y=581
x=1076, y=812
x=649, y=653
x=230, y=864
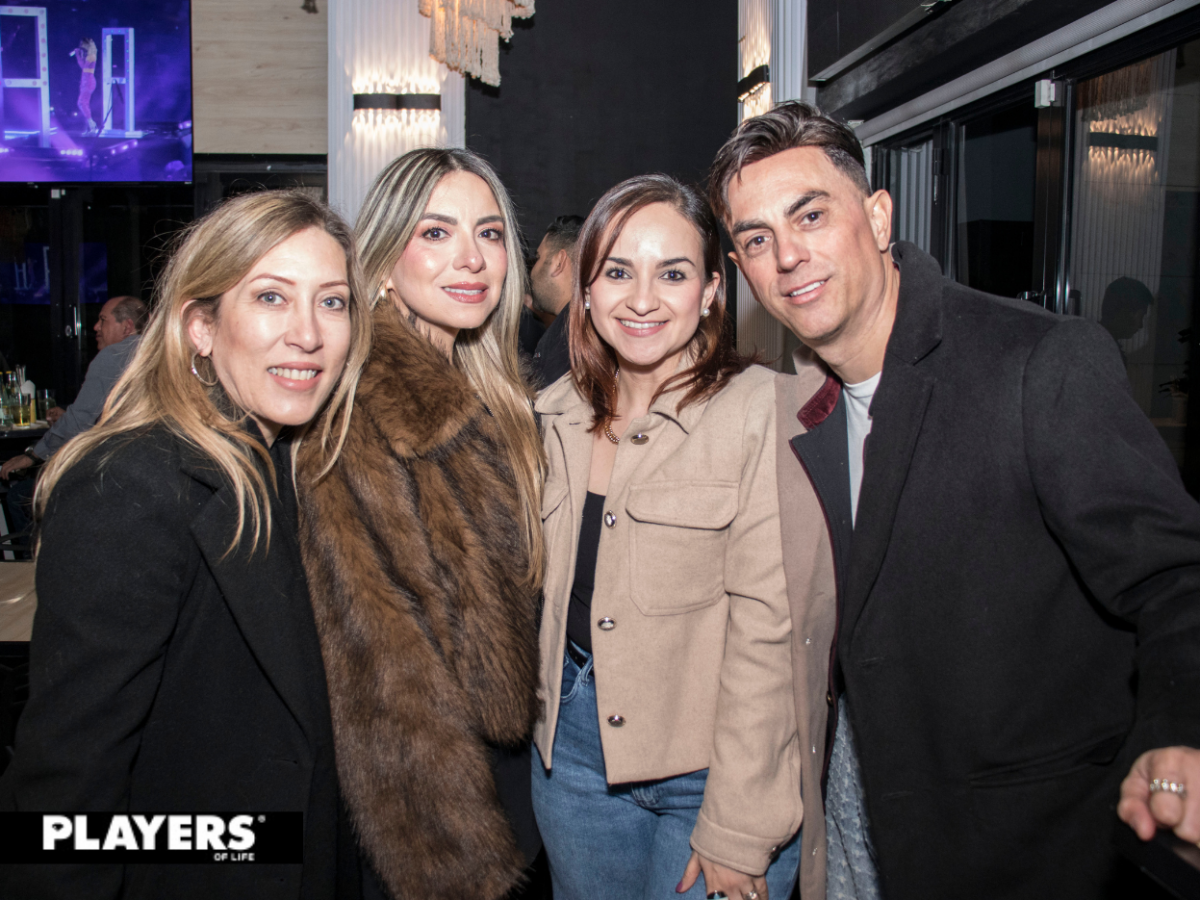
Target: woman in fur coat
x=423, y=543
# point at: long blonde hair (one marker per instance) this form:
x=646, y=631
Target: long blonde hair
x=486, y=355
x=158, y=388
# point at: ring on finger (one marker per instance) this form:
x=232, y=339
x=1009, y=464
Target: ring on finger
x=750, y=895
x=1165, y=786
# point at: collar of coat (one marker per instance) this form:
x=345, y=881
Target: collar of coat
x=414, y=554
x=411, y=391
x=563, y=398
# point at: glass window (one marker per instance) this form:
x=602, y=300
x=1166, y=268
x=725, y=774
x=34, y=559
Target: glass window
x=910, y=182
x=997, y=170
x=1134, y=235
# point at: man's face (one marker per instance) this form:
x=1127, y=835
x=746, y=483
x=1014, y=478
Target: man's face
x=108, y=330
x=811, y=245
x=546, y=291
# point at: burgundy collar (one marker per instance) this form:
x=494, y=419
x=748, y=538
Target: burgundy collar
x=821, y=404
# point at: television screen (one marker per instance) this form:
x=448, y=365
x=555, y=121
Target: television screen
x=96, y=90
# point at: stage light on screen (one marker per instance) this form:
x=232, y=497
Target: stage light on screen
x=96, y=92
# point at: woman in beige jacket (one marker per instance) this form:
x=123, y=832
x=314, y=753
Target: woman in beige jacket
x=668, y=746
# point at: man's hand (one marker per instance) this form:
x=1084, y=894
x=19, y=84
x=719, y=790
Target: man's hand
x=14, y=465
x=53, y=414
x=1146, y=810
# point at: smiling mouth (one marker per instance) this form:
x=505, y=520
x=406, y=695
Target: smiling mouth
x=807, y=289
x=467, y=295
x=640, y=326
x=294, y=374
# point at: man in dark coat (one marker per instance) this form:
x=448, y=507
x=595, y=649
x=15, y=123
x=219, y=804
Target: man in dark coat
x=1018, y=596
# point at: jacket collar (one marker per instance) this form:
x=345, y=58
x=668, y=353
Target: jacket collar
x=918, y=327
x=261, y=588
x=563, y=398
x=897, y=413
x=410, y=391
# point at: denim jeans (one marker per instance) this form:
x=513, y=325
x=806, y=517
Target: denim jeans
x=625, y=841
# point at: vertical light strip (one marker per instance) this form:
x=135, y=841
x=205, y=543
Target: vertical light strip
x=772, y=32
x=383, y=46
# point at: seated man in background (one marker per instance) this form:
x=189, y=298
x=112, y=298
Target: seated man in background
x=118, y=331
x=551, y=282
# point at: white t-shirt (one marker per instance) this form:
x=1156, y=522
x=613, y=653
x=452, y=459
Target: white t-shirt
x=858, y=426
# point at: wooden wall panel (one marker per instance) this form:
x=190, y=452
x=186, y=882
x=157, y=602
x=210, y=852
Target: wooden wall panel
x=259, y=76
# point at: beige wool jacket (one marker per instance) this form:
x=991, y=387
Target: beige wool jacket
x=693, y=660
x=812, y=591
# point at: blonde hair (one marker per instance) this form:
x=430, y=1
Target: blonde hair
x=158, y=388
x=486, y=355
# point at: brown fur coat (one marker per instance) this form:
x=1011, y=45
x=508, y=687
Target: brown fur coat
x=414, y=561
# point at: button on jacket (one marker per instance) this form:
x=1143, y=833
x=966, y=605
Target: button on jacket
x=690, y=624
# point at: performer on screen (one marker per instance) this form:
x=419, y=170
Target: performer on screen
x=85, y=55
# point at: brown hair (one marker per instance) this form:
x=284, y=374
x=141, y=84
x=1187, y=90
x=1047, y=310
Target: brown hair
x=713, y=357
x=159, y=388
x=787, y=126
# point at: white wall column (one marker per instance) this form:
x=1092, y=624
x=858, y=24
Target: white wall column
x=772, y=32
x=382, y=46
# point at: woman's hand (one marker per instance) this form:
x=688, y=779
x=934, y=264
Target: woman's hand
x=733, y=884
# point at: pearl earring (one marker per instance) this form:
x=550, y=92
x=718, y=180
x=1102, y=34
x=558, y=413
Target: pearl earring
x=704, y=312
x=587, y=304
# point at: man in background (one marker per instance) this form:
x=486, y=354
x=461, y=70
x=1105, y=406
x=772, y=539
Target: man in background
x=118, y=331
x=552, y=282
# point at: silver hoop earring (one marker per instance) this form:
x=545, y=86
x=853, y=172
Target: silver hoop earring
x=704, y=312
x=213, y=383
x=587, y=304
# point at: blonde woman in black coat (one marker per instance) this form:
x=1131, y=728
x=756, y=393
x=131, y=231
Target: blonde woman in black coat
x=175, y=665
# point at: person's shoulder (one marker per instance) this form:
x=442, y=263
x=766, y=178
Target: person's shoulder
x=557, y=397
x=748, y=396
x=151, y=460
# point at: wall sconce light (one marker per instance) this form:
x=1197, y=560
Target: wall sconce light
x=397, y=101
x=1123, y=141
x=752, y=82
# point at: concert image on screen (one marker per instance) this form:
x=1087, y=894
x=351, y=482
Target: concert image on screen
x=96, y=90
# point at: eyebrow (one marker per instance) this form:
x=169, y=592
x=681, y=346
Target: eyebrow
x=620, y=261
x=450, y=220
x=803, y=200
x=282, y=280
x=798, y=204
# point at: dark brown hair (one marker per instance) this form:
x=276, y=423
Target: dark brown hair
x=787, y=126
x=593, y=362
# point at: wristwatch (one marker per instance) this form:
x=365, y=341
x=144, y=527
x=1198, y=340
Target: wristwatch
x=28, y=451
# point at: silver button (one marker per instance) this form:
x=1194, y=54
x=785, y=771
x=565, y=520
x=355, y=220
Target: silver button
x=808, y=640
x=814, y=748
x=606, y=624
x=616, y=721
x=639, y=438
x=610, y=519
x=814, y=851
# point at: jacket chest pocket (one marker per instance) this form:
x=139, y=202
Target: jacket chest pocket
x=678, y=531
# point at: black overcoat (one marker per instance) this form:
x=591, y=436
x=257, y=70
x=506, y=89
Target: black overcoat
x=1020, y=606
x=168, y=676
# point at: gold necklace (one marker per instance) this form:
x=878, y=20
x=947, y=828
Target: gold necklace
x=608, y=432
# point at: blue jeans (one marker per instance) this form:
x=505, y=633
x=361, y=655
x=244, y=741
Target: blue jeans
x=625, y=841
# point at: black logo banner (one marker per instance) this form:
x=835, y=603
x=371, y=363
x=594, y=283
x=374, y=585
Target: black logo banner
x=228, y=838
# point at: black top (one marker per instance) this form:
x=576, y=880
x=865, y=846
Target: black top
x=579, y=612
